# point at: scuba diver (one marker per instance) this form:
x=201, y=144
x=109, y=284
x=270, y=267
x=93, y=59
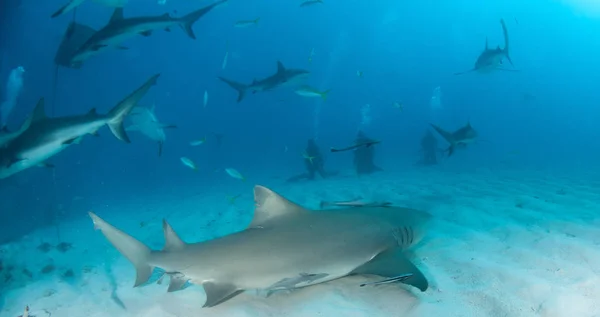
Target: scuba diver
x=314, y=163
x=429, y=150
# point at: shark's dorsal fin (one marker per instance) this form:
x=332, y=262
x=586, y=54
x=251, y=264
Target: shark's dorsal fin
x=280, y=67
x=39, y=113
x=92, y=112
x=172, y=241
x=117, y=15
x=270, y=206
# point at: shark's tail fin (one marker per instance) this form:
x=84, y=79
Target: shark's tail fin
x=135, y=251
x=241, y=88
x=187, y=21
x=506, y=42
x=324, y=94
x=122, y=109
x=447, y=136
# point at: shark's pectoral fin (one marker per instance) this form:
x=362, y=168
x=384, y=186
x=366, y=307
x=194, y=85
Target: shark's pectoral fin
x=394, y=264
x=270, y=206
x=217, y=293
x=178, y=281
x=98, y=47
x=146, y=33
x=168, y=126
x=76, y=140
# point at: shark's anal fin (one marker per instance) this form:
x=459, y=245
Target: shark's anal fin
x=270, y=206
x=172, y=241
x=393, y=264
x=177, y=282
x=217, y=293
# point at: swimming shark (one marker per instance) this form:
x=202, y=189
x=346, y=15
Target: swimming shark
x=461, y=137
x=491, y=59
x=75, y=35
x=47, y=137
x=144, y=120
x=72, y=4
x=283, y=77
x=284, y=247
x=119, y=29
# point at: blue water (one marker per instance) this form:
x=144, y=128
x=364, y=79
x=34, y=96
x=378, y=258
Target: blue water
x=404, y=48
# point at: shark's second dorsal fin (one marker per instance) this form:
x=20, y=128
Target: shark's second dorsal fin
x=280, y=68
x=39, y=113
x=172, y=241
x=117, y=15
x=270, y=206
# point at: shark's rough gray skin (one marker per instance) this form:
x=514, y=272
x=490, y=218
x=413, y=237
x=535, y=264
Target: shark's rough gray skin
x=461, y=137
x=491, y=59
x=119, y=29
x=285, y=246
x=283, y=77
x=47, y=137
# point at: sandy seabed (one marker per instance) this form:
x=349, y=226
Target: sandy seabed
x=503, y=243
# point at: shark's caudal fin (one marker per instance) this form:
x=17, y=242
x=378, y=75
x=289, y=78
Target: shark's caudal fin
x=187, y=21
x=241, y=88
x=506, y=42
x=122, y=109
x=271, y=206
x=447, y=136
x=135, y=251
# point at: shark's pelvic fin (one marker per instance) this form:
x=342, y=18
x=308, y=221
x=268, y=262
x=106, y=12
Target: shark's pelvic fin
x=394, y=264
x=135, y=251
x=270, y=206
x=217, y=293
x=177, y=282
x=172, y=241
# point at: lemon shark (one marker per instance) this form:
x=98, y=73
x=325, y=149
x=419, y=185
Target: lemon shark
x=46, y=137
x=491, y=59
x=72, y=4
x=284, y=247
x=144, y=120
x=461, y=137
x=282, y=77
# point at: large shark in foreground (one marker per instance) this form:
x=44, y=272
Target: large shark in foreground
x=283, y=77
x=46, y=137
x=285, y=246
x=144, y=120
x=461, y=137
x=491, y=59
x=119, y=29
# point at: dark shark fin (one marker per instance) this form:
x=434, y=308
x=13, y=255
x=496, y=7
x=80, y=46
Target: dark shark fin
x=64, y=9
x=217, y=293
x=71, y=141
x=172, y=241
x=187, y=21
x=98, y=47
x=280, y=68
x=160, y=148
x=486, y=44
x=393, y=264
x=135, y=251
x=445, y=134
x=506, y=42
x=116, y=16
x=146, y=33
x=122, y=109
x=92, y=112
x=39, y=113
x=169, y=126
x=270, y=206
x=241, y=88
x=177, y=282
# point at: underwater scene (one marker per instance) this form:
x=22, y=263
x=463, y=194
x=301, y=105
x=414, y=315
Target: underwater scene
x=249, y=158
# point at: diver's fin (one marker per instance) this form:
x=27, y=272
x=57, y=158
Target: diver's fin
x=394, y=264
x=217, y=293
x=270, y=206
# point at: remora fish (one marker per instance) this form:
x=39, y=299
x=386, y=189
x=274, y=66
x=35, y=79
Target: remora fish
x=285, y=246
x=119, y=29
x=72, y=4
x=461, y=137
x=283, y=77
x=491, y=59
x=355, y=146
x=47, y=137
x=144, y=120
